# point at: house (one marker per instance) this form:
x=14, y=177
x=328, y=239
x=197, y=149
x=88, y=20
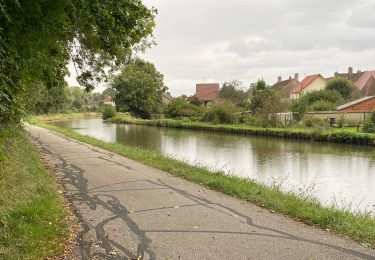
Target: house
x=310, y=83
x=366, y=83
x=166, y=98
x=108, y=101
x=207, y=92
x=350, y=75
x=360, y=105
x=284, y=87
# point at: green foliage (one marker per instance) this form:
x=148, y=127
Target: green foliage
x=232, y=92
x=259, y=95
x=39, y=37
x=32, y=215
x=314, y=122
x=369, y=126
x=299, y=109
x=139, y=88
x=341, y=85
x=108, y=112
x=179, y=107
x=221, y=113
x=322, y=105
x=330, y=96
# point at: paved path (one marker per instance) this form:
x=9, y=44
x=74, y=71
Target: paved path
x=128, y=210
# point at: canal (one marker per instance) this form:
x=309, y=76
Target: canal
x=332, y=173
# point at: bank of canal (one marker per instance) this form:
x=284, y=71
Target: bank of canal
x=341, y=173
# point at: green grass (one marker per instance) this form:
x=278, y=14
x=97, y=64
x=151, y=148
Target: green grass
x=358, y=226
x=331, y=135
x=32, y=216
x=69, y=116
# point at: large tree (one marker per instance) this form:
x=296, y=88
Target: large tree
x=233, y=92
x=39, y=37
x=139, y=88
x=341, y=85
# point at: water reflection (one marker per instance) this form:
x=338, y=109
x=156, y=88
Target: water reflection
x=344, y=171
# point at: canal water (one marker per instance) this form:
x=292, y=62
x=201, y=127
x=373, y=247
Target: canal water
x=338, y=174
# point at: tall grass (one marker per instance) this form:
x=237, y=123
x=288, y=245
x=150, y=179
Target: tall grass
x=32, y=216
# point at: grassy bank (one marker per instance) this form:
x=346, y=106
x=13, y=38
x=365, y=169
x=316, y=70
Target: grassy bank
x=332, y=135
x=32, y=216
x=70, y=116
x=357, y=226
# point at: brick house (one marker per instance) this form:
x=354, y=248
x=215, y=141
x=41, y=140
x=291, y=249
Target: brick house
x=207, y=92
x=108, y=101
x=360, y=105
x=309, y=83
x=284, y=87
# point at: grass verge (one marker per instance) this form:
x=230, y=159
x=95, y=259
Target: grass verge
x=32, y=216
x=358, y=226
x=331, y=135
x=69, y=116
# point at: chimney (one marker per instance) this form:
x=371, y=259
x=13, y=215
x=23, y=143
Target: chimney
x=350, y=72
x=290, y=77
x=296, y=76
x=279, y=79
x=359, y=71
x=336, y=74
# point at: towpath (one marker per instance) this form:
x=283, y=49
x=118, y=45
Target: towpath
x=127, y=210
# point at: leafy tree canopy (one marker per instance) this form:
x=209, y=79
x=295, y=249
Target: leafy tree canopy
x=342, y=86
x=139, y=88
x=260, y=94
x=233, y=92
x=39, y=37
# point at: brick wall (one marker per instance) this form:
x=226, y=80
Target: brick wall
x=367, y=105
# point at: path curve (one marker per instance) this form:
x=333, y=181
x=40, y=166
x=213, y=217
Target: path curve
x=127, y=210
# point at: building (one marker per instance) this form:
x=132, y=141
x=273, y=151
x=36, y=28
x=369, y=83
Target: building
x=360, y=105
x=284, y=87
x=207, y=92
x=366, y=83
x=350, y=75
x=310, y=83
x=166, y=98
x=108, y=101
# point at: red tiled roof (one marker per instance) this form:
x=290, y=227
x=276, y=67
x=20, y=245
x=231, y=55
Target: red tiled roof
x=207, y=91
x=305, y=82
x=361, y=82
x=107, y=99
x=355, y=102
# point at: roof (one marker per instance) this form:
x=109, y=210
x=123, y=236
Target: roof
x=107, y=99
x=283, y=83
x=305, y=82
x=167, y=96
x=353, y=77
x=361, y=82
x=207, y=91
x=355, y=102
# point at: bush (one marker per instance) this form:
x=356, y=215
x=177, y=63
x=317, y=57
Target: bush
x=221, y=113
x=181, y=108
x=314, y=122
x=322, y=105
x=369, y=126
x=108, y=112
x=251, y=120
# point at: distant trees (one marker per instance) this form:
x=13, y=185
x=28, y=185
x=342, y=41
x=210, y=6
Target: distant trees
x=260, y=94
x=138, y=89
x=232, y=91
x=179, y=107
x=342, y=86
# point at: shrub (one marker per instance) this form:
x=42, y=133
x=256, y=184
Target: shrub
x=108, y=112
x=221, y=113
x=251, y=120
x=314, y=122
x=322, y=105
x=369, y=126
x=341, y=121
x=181, y=108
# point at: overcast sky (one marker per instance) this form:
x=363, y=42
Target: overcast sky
x=220, y=40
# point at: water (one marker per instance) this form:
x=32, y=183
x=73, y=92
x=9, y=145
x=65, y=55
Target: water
x=341, y=174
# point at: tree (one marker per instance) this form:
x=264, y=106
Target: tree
x=50, y=100
x=342, y=86
x=260, y=94
x=39, y=37
x=231, y=91
x=108, y=92
x=179, y=107
x=139, y=88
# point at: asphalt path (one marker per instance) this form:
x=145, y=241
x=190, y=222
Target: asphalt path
x=128, y=210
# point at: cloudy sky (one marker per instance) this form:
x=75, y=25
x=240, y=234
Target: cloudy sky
x=220, y=40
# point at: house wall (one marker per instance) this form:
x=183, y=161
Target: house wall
x=349, y=117
x=366, y=105
x=318, y=84
x=369, y=89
